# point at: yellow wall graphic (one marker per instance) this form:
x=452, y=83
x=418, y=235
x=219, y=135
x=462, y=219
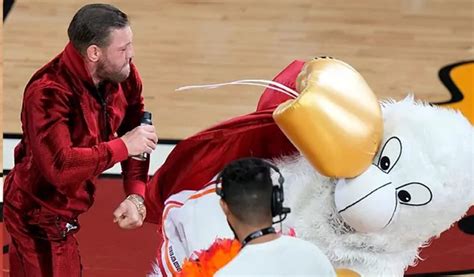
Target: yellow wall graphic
x=459, y=79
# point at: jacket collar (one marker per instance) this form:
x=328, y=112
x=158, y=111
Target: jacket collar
x=75, y=63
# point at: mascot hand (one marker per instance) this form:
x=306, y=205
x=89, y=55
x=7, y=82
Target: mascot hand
x=336, y=121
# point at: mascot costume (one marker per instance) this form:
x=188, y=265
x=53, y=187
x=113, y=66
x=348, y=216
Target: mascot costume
x=364, y=180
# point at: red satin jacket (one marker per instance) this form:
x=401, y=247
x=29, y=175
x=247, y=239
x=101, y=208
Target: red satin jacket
x=70, y=136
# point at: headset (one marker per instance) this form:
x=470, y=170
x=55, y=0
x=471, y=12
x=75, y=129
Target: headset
x=277, y=193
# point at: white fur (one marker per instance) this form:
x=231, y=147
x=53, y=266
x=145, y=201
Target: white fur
x=437, y=151
x=156, y=272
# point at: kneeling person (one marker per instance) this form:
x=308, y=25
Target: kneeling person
x=250, y=201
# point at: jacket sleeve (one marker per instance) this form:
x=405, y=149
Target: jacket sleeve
x=135, y=173
x=45, y=116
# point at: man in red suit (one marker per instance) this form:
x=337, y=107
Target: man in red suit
x=79, y=117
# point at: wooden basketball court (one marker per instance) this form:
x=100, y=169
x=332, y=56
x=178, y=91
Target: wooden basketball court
x=398, y=46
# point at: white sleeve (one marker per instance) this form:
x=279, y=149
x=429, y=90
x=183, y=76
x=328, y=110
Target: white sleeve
x=192, y=221
x=173, y=248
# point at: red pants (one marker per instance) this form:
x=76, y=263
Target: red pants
x=39, y=257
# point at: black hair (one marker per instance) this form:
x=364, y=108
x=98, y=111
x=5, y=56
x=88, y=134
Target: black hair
x=93, y=23
x=247, y=187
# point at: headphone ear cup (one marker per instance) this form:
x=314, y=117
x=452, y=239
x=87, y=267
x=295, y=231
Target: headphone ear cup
x=277, y=201
x=277, y=192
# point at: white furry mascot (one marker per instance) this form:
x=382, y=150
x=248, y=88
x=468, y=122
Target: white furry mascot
x=364, y=181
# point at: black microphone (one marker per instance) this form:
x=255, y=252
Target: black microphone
x=146, y=120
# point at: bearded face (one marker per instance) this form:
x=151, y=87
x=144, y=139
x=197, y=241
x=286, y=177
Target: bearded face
x=114, y=63
x=114, y=70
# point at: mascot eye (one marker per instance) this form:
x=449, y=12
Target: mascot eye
x=414, y=194
x=385, y=163
x=404, y=196
x=390, y=154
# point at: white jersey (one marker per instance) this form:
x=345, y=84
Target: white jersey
x=192, y=221
x=284, y=256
